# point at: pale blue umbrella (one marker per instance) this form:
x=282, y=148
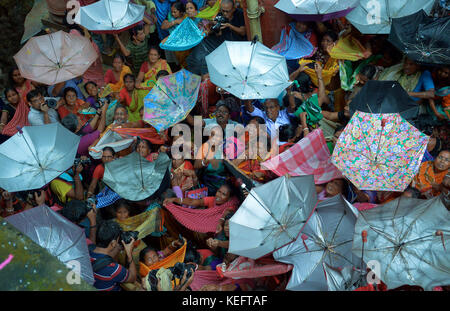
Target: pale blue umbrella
x=110, y=16
x=135, y=178
x=325, y=246
x=375, y=16
x=409, y=240
x=248, y=70
x=36, y=155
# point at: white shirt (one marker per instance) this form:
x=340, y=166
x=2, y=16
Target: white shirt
x=36, y=117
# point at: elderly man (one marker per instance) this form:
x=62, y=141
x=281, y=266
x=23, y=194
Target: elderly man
x=234, y=30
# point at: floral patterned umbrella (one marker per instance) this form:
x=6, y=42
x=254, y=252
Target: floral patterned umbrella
x=379, y=151
x=171, y=99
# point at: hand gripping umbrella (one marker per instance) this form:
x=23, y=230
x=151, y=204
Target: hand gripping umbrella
x=110, y=16
x=422, y=38
x=35, y=156
x=409, y=239
x=379, y=152
x=56, y=57
x=316, y=10
x=272, y=215
x=385, y=97
x=135, y=178
x=375, y=16
x=61, y=238
x=171, y=99
x=325, y=245
x=248, y=70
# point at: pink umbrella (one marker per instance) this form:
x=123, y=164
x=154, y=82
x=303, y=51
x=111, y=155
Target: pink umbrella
x=56, y=57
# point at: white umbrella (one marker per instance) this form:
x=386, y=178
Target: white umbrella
x=375, y=17
x=316, y=10
x=110, y=16
x=56, y=57
x=35, y=156
x=272, y=216
x=248, y=70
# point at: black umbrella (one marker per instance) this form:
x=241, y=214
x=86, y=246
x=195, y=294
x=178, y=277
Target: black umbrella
x=385, y=97
x=196, y=62
x=422, y=38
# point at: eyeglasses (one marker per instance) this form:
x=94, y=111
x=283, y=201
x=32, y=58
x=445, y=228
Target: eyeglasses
x=37, y=100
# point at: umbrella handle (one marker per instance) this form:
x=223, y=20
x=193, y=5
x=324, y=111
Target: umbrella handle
x=441, y=234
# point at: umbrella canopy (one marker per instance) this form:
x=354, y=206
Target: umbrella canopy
x=135, y=178
x=31, y=266
x=184, y=37
x=325, y=244
x=248, y=70
x=375, y=17
x=35, y=156
x=422, y=38
x=379, y=151
x=60, y=237
x=110, y=16
x=408, y=237
x=316, y=10
x=171, y=99
x=272, y=215
x=56, y=57
x=385, y=97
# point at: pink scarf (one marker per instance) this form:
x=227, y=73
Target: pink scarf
x=201, y=220
x=20, y=119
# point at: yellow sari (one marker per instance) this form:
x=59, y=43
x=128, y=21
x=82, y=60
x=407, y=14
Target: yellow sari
x=330, y=69
x=150, y=76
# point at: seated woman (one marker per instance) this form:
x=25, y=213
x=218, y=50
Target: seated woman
x=19, y=83
x=114, y=77
x=132, y=98
x=431, y=174
x=71, y=104
x=440, y=105
x=91, y=89
x=184, y=177
x=147, y=75
x=144, y=148
x=210, y=159
x=14, y=113
x=150, y=256
x=175, y=17
x=222, y=196
x=108, y=155
x=220, y=243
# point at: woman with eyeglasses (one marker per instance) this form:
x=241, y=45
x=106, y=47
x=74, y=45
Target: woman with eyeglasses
x=108, y=155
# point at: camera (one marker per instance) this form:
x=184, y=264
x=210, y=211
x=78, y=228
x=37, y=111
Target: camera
x=179, y=268
x=82, y=162
x=126, y=236
x=220, y=19
x=91, y=201
x=103, y=101
x=51, y=103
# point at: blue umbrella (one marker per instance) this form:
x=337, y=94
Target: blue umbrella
x=184, y=37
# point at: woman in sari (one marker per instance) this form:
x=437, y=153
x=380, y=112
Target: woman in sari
x=431, y=174
x=147, y=75
x=22, y=85
x=14, y=113
x=132, y=98
x=440, y=105
x=71, y=104
x=114, y=77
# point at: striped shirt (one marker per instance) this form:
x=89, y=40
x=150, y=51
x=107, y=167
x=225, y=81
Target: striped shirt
x=109, y=277
x=138, y=54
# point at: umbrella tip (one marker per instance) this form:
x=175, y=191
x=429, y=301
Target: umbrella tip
x=364, y=236
x=19, y=128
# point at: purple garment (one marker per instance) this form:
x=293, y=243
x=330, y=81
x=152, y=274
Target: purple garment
x=88, y=138
x=92, y=102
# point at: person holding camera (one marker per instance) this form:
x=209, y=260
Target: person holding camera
x=40, y=113
x=108, y=274
x=231, y=22
x=83, y=214
x=67, y=187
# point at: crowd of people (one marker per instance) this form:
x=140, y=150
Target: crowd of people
x=205, y=181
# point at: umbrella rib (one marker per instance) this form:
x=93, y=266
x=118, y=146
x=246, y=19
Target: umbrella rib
x=385, y=235
x=364, y=137
x=426, y=261
x=337, y=227
x=80, y=236
x=407, y=231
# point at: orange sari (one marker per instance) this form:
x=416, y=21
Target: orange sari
x=427, y=176
x=169, y=261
